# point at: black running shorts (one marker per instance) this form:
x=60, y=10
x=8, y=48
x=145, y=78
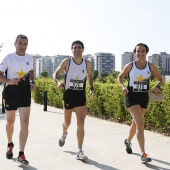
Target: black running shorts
x=74, y=98
x=136, y=98
x=15, y=96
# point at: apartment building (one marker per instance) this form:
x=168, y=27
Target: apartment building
x=90, y=58
x=104, y=62
x=126, y=58
x=161, y=60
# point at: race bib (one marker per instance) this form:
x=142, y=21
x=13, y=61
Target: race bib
x=76, y=84
x=140, y=86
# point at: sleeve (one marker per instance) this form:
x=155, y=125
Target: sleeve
x=4, y=64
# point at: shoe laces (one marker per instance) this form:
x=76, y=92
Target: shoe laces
x=129, y=145
x=145, y=155
x=10, y=148
x=81, y=154
x=22, y=157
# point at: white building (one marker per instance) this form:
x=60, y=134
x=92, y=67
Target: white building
x=104, y=62
x=44, y=64
x=126, y=58
x=162, y=61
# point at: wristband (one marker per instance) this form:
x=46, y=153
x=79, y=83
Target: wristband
x=91, y=88
x=32, y=82
x=158, y=86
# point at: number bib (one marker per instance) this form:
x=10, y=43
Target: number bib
x=140, y=86
x=76, y=84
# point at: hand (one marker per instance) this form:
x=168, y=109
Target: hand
x=92, y=94
x=125, y=90
x=13, y=81
x=60, y=86
x=32, y=86
x=156, y=90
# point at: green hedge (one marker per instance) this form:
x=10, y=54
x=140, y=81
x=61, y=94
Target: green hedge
x=109, y=103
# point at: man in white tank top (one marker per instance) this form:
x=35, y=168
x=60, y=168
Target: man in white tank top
x=77, y=70
x=19, y=82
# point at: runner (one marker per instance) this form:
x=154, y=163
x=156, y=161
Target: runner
x=136, y=95
x=77, y=69
x=19, y=81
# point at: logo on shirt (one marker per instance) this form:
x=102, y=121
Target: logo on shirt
x=27, y=63
x=83, y=71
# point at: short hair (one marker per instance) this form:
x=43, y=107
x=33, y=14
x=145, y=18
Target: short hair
x=77, y=42
x=21, y=36
x=141, y=44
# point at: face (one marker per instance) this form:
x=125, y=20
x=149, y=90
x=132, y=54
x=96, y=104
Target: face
x=21, y=46
x=141, y=52
x=77, y=50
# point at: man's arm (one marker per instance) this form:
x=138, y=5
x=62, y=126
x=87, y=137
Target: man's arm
x=62, y=67
x=4, y=79
x=32, y=75
x=90, y=77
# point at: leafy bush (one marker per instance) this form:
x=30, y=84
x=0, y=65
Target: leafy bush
x=108, y=102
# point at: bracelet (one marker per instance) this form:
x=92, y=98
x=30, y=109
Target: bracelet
x=91, y=88
x=32, y=82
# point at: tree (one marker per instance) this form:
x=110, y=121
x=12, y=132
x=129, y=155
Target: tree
x=95, y=74
x=44, y=74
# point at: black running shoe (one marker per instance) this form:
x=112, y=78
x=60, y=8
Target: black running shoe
x=128, y=146
x=62, y=140
x=145, y=158
x=9, y=153
x=22, y=160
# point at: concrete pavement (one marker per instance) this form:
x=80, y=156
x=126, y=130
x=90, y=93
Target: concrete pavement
x=103, y=144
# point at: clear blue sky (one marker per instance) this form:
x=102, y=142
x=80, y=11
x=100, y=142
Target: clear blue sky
x=114, y=26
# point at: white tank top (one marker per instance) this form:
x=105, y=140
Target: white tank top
x=17, y=66
x=139, y=78
x=75, y=78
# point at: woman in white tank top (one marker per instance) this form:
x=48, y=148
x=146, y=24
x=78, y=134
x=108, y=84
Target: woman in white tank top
x=136, y=96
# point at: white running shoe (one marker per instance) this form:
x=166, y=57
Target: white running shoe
x=80, y=156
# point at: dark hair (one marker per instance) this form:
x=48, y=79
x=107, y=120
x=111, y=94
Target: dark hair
x=141, y=44
x=77, y=42
x=21, y=36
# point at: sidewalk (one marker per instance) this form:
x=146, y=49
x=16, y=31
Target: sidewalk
x=103, y=144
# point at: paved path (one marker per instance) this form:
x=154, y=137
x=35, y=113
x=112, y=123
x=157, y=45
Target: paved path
x=103, y=145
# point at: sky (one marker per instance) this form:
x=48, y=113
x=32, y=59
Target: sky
x=113, y=26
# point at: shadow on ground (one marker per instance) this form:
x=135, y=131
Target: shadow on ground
x=94, y=163
x=151, y=166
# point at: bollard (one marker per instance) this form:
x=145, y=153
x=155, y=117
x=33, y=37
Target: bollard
x=45, y=100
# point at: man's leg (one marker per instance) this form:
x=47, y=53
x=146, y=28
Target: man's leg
x=24, y=122
x=66, y=124
x=81, y=115
x=67, y=119
x=10, y=116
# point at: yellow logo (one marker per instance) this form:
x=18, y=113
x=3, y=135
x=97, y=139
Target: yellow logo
x=21, y=73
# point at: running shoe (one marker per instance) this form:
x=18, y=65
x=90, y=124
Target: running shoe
x=145, y=158
x=9, y=153
x=128, y=146
x=80, y=156
x=62, y=140
x=22, y=160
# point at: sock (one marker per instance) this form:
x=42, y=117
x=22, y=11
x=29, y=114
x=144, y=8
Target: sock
x=21, y=153
x=9, y=144
x=80, y=148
